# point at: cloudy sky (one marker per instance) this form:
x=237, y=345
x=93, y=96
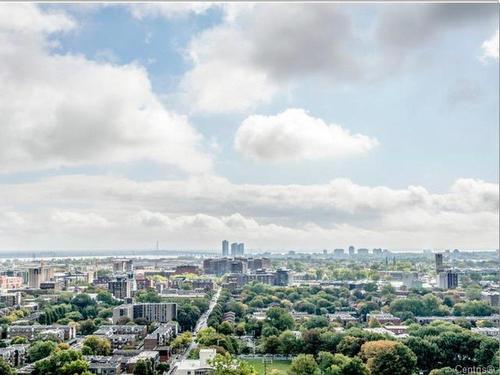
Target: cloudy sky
x=286, y=126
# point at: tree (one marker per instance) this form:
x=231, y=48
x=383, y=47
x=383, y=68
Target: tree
x=227, y=365
x=182, y=341
x=226, y=328
x=5, y=368
x=325, y=361
x=354, y=367
x=143, y=367
x=279, y=318
x=444, y=371
x=316, y=322
x=289, y=343
x=304, y=364
x=162, y=368
x=123, y=320
x=486, y=351
x=148, y=295
x=271, y=345
x=312, y=341
x=340, y=364
x=40, y=349
x=349, y=345
x=63, y=362
x=82, y=300
x=427, y=352
x=97, y=345
x=87, y=327
x=473, y=308
x=106, y=297
x=74, y=315
x=79, y=366
x=19, y=340
x=385, y=357
x=187, y=316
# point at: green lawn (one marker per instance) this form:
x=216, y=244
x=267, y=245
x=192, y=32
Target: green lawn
x=282, y=366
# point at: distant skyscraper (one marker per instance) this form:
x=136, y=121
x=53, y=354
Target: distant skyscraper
x=241, y=249
x=363, y=251
x=338, y=252
x=234, y=249
x=225, y=248
x=352, y=250
x=439, y=262
x=447, y=280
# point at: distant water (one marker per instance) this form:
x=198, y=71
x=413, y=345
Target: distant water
x=47, y=254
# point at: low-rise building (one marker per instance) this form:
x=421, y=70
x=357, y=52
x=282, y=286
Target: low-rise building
x=146, y=355
x=196, y=366
x=14, y=355
x=104, y=365
x=31, y=332
x=384, y=318
x=140, y=331
x=488, y=331
x=11, y=299
x=161, y=336
x=492, y=298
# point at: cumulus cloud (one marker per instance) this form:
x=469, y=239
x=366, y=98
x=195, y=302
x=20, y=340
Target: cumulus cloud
x=65, y=110
x=296, y=135
x=262, y=50
x=200, y=211
x=490, y=48
x=169, y=10
x=259, y=48
x=407, y=26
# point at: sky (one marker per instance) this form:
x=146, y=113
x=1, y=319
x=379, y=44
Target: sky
x=284, y=126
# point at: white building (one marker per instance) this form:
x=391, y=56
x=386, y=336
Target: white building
x=196, y=366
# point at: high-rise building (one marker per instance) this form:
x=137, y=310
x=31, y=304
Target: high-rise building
x=234, y=249
x=152, y=312
x=338, y=252
x=225, y=248
x=121, y=287
x=283, y=277
x=447, y=280
x=123, y=265
x=439, y=262
x=241, y=249
x=352, y=250
x=363, y=252
x=37, y=275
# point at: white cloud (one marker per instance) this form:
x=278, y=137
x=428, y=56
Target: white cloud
x=27, y=19
x=295, y=135
x=64, y=110
x=262, y=50
x=200, y=211
x=259, y=48
x=490, y=48
x=78, y=219
x=170, y=9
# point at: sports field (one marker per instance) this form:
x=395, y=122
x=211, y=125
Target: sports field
x=282, y=366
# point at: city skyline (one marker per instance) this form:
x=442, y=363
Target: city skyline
x=189, y=123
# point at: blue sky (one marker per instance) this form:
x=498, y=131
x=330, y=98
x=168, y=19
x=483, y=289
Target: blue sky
x=427, y=135
x=377, y=97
